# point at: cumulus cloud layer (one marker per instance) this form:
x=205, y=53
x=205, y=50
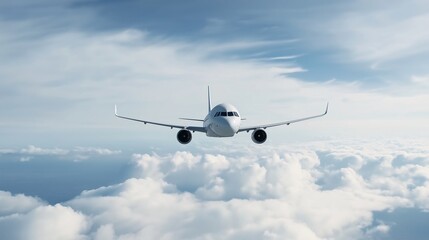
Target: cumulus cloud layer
x=24, y=217
x=324, y=191
x=78, y=153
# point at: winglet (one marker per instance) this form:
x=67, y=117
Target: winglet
x=327, y=106
x=116, y=111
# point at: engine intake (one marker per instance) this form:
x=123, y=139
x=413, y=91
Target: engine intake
x=184, y=136
x=259, y=136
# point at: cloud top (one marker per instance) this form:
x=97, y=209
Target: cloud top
x=327, y=190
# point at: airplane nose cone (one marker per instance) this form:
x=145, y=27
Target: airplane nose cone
x=227, y=127
x=233, y=124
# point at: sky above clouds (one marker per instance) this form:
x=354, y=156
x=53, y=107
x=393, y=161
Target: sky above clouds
x=65, y=64
x=357, y=173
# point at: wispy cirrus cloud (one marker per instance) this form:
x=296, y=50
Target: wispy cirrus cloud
x=65, y=80
x=130, y=69
x=376, y=33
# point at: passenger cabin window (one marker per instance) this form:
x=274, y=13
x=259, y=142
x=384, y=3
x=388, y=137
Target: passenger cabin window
x=223, y=114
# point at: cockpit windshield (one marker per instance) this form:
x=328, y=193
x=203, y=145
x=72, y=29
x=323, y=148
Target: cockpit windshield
x=225, y=114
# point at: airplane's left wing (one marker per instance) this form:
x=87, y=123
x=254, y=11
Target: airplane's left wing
x=282, y=123
x=190, y=128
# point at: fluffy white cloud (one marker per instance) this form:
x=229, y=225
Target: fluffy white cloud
x=10, y=204
x=76, y=154
x=45, y=222
x=24, y=217
x=273, y=195
x=33, y=150
x=320, y=191
x=98, y=151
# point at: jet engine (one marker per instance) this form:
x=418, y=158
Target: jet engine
x=259, y=136
x=184, y=136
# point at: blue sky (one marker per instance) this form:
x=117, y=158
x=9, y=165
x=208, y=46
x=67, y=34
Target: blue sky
x=65, y=64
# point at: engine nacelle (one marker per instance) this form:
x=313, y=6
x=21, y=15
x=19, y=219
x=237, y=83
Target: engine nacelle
x=184, y=136
x=259, y=136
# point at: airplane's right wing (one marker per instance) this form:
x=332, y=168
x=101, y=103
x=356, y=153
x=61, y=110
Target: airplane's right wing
x=190, y=128
x=264, y=126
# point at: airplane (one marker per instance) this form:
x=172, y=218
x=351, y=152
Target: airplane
x=221, y=121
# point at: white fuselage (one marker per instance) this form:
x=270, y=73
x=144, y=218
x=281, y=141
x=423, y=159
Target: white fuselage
x=222, y=121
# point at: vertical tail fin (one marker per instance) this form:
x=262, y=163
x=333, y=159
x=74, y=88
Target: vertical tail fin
x=209, y=99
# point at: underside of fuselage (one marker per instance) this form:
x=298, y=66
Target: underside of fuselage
x=211, y=133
